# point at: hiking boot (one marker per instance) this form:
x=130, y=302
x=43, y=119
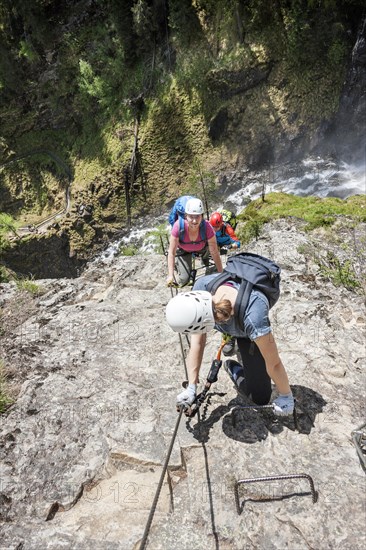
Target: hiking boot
x=229, y=347
x=237, y=375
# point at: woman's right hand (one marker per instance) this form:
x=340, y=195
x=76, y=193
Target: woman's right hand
x=171, y=282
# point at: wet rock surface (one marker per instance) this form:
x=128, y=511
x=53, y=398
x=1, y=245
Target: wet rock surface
x=345, y=134
x=97, y=370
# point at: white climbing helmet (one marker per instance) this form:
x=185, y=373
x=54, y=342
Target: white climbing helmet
x=194, y=206
x=191, y=312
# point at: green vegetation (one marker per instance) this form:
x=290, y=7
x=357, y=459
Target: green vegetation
x=29, y=286
x=315, y=211
x=337, y=217
x=4, y=274
x=251, y=230
x=128, y=250
x=5, y=399
x=159, y=238
x=74, y=81
x=7, y=226
x=202, y=184
x=341, y=273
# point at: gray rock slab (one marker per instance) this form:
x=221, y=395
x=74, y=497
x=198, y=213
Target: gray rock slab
x=98, y=369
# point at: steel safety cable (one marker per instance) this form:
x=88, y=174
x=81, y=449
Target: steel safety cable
x=167, y=458
x=209, y=490
x=160, y=484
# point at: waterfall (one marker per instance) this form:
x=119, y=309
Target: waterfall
x=346, y=136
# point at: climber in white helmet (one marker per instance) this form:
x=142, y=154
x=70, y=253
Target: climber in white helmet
x=197, y=312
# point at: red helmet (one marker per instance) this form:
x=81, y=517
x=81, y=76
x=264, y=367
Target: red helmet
x=216, y=220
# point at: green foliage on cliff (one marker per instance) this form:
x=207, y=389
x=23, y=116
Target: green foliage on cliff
x=7, y=227
x=341, y=273
x=76, y=77
x=315, y=211
x=337, y=224
x=70, y=63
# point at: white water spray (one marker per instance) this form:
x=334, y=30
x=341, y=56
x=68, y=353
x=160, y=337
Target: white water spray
x=312, y=176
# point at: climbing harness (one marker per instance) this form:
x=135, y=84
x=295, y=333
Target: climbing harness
x=239, y=508
x=194, y=270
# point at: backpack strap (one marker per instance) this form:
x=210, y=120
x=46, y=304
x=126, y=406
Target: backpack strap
x=203, y=232
x=241, y=301
x=181, y=228
x=218, y=281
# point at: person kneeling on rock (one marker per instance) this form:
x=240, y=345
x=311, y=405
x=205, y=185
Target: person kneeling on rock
x=197, y=312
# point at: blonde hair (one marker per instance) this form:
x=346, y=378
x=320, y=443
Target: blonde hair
x=222, y=310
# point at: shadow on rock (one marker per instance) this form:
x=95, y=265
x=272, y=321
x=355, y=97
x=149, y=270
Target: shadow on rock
x=201, y=430
x=309, y=403
x=243, y=422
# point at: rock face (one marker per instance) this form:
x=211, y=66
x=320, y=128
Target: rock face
x=345, y=136
x=43, y=254
x=98, y=369
x=230, y=83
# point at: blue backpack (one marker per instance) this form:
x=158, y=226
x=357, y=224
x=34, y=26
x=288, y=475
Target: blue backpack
x=251, y=271
x=178, y=209
x=178, y=212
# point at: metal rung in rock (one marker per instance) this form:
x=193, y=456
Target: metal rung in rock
x=239, y=509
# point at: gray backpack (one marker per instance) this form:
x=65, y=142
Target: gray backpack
x=251, y=271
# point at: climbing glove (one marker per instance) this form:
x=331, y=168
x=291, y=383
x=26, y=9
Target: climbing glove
x=187, y=396
x=284, y=404
x=171, y=283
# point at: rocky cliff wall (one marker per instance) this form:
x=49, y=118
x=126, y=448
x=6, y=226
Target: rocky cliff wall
x=260, y=86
